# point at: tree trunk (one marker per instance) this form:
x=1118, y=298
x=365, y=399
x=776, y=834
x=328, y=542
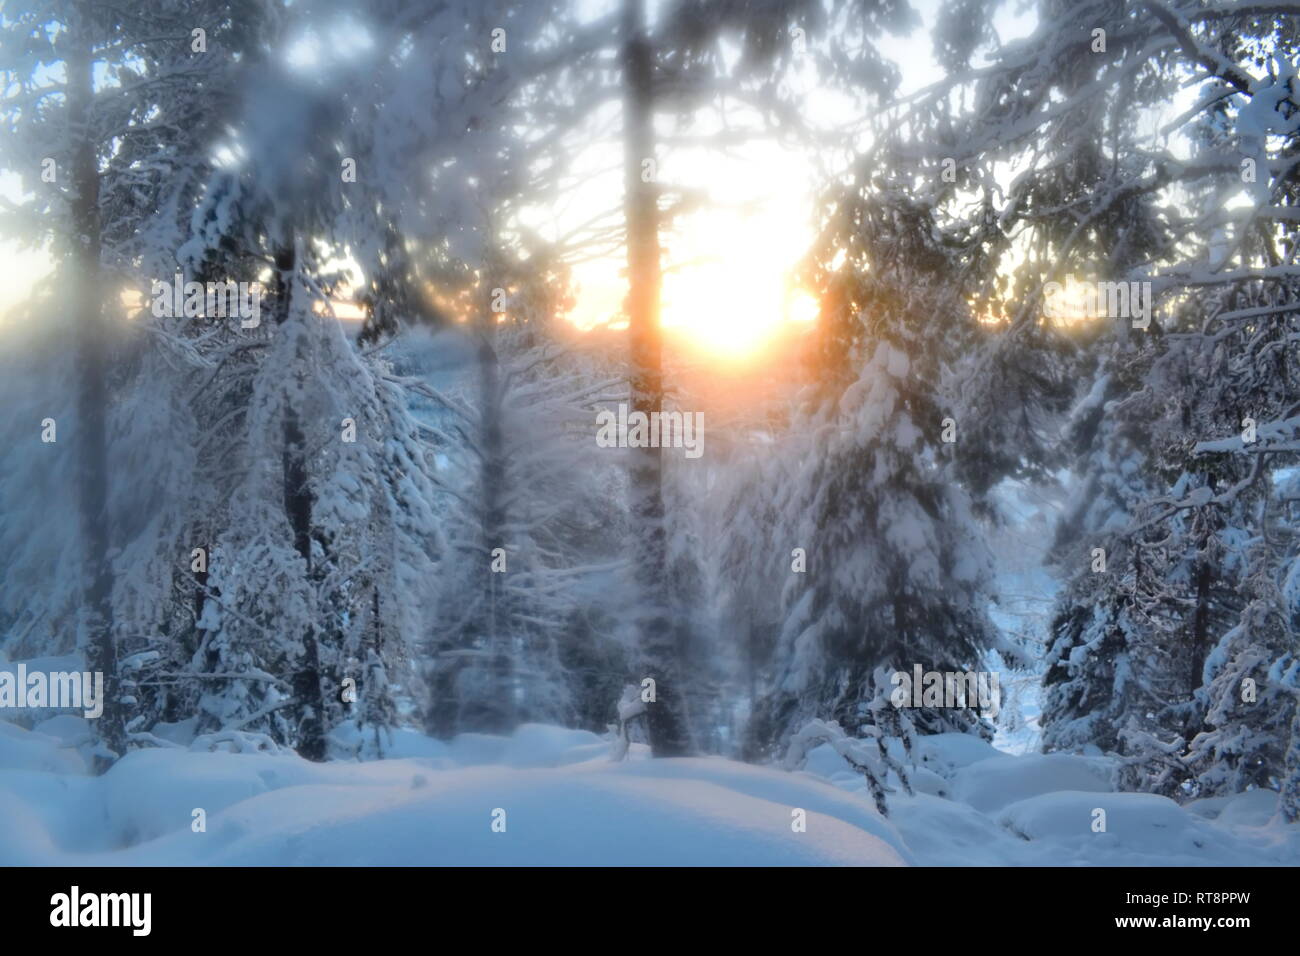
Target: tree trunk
x=494, y=628
x=660, y=653
x=298, y=509
x=92, y=395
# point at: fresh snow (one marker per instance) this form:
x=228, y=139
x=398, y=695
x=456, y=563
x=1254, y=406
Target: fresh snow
x=566, y=803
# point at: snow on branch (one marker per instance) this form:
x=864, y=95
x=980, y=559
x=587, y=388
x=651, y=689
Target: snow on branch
x=873, y=762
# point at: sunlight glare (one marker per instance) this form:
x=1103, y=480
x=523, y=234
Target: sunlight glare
x=733, y=289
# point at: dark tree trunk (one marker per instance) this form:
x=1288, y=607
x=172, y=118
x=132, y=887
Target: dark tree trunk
x=657, y=635
x=298, y=505
x=92, y=395
x=494, y=628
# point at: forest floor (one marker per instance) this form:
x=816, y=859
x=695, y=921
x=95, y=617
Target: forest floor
x=550, y=796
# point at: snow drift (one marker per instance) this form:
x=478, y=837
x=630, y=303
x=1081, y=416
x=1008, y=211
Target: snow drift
x=550, y=796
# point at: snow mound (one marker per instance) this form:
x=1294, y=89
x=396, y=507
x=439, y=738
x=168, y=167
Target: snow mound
x=947, y=833
x=405, y=742
x=27, y=750
x=540, y=745
x=989, y=785
x=791, y=790
x=947, y=753
x=552, y=817
x=550, y=796
x=1140, y=828
x=25, y=838
x=67, y=729
x=557, y=805
x=473, y=750
x=1252, y=809
x=45, y=813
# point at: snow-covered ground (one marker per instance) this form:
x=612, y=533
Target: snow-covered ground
x=549, y=796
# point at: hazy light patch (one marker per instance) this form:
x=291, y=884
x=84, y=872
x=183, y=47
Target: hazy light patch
x=20, y=271
x=341, y=309
x=801, y=307
x=228, y=156
x=20, y=268
x=304, y=52
x=728, y=262
x=344, y=38
x=342, y=302
x=738, y=254
x=1014, y=23
x=1240, y=200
